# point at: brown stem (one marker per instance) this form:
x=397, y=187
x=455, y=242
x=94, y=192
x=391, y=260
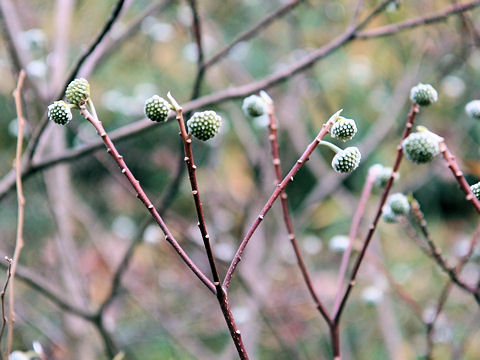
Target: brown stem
x=279, y=189
x=21, y=207
x=408, y=128
x=453, y=166
x=221, y=294
x=367, y=190
x=112, y=150
x=2, y=300
x=335, y=339
x=437, y=253
x=286, y=213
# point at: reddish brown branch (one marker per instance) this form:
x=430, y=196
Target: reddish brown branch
x=112, y=150
x=437, y=253
x=279, y=189
x=221, y=294
x=455, y=169
x=286, y=213
x=367, y=190
x=408, y=128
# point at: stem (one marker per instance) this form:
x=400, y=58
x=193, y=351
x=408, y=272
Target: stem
x=453, y=166
x=367, y=190
x=221, y=294
x=2, y=300
x=286, y=213
x=279, y=189
x=332, y=147
x=335, y=338
x=112, y=150
x=437, y=253
x=21, y=207
x=408, y=128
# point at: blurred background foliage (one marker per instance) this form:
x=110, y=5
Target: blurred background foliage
x=162, y=312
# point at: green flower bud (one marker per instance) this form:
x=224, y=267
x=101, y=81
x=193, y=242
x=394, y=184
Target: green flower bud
x=473, y=109
x=344, y=129
x=476, y=190
x=421, y=147
x=157, y=108
x=78, y=92
x=388, y=215
x=423, y=94
x=254, y=106
x=59, y=112
x=399, y=204
x=204, y=125
x=347, y=160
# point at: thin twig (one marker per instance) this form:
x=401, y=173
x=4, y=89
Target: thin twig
x=277, y=14
x=437, y=253
x=112, y=150
x=408, y=128
x=367, y=190
x=279, y=189
x=17, y=94
x=457, y=172
x=2, y=300
x=438, y=16
x=286, y=213
x=221, y=293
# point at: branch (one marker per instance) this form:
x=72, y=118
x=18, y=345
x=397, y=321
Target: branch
x=17, y=94
x=279, y=189
x=2, y=300
x=373, y=226
x=277, y=14
x=436, y=17
x=455, y=169
x=112, y=150
x=286, y=213
x=367, y=190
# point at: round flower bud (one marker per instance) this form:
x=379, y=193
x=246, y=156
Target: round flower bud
x=388, y=215
x=421, y=147
x=423, y=94
x=204, y=125
x=382, y=175
x=157, y=108
x=254, y=106
x=78, y=92
x=346, y=160
x=343, y=128
x=473, y=109
x=476, y=190
x=59, y=112
x=399, y=204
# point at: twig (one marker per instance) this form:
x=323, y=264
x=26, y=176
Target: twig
x=197, y=34
x=455, y=169
x=2, y=299
x=279, y=189
x=32, y=146
x=277, y=14
x=419, y=21
x=286, y=213
x=17, y=94
x=112, y=150
x=367, y=190
x=125, y=132
x=437, y=253
x=221, y=293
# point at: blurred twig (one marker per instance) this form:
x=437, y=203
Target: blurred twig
x=2, y=300
x=21, y=207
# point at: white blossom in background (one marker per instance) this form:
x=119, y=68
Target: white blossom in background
x=152, y=234
x=312, y=245
x=123, y=227
x=338, y=243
